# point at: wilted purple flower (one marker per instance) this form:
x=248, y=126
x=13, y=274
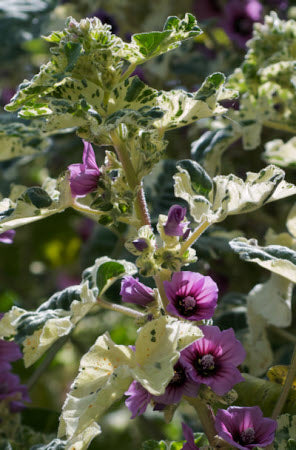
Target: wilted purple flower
x=180, y=385
x=245, y=427
x=280, y=4
x=10, y=388
x=239, y=18
x=207, y=9
x=174, y=225
x=191, y=295
x=214, y=358
x=9, y=351
x=189, y=436
x=106, y=18
x=7, y=237
x=140, y=244
x=84, y=177
x=132, y=291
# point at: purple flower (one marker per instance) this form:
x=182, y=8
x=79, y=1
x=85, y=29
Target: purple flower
x=174, y=225
x=7, y=237
x=11, y=389
x=138, y=399
x=239, y=17
x=189, y=436
x=132, y=291
x=180, y=385
x=9, y=351
x=191, y=295
x=84, y=177
x=140, y=244
x=213, y=359
x=245, y=427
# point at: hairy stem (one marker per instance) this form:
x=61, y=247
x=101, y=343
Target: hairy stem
x=46, y=361
x=194, y=236
x=286, y=388
x=119, y=308
x=134, y=183
x=206, y=418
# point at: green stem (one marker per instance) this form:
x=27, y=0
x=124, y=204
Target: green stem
x=128, y=72
x=286, y=388
x=121, y=309
x=85, y=209
x=132, y=179
x=279, y=126
x=194, y=236
x=206, y=418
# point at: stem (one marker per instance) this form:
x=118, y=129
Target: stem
x=194, y=236
x=121, y=309
x=132, y=179
x=206, y=418
x=283, y=333
x=84, y=208
x=279, y=126
x=47, y=360
x=286, y=388
x=128, y=72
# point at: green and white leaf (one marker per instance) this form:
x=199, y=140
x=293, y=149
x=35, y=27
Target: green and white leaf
x=145, y=46
x=210, y=147
x=291, y=221
x=280, y=153
x=157, y=350
x=286, y=430
x=37, y=331
x=106, y=271
x=272, y=300
x=103, y=378
x=18, y=139
x=276, y=258
x=35, y=203
x=231, y=195
x=259, y=352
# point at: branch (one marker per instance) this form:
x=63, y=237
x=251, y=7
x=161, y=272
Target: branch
x=286, y=388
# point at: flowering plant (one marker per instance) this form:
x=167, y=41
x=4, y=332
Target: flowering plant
x=90, y=86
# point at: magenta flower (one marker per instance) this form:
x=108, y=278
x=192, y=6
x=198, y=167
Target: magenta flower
x=245, y=427
x=132, y=291
x=189, y=436
x=7, y=237
x=174, y=225
x=11, y=389
x=214, y=358
x=191, y=295
x=180, y=384
x=239, y=18
x=138, y=399
x=84, y=177
x=9, y=351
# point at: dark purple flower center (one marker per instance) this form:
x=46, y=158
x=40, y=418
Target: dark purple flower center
x=247, y=436
x=4, y=388
x=186, y=306
x=205, y=365
x=179, y=377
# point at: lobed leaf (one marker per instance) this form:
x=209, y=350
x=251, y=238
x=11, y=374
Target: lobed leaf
x=34, y=204
x=276, y=258
x=231, y=195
